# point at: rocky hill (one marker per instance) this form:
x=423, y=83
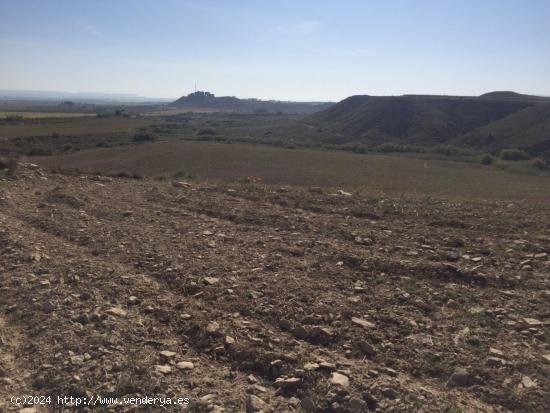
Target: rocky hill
x=207, y=100
x=491, y=122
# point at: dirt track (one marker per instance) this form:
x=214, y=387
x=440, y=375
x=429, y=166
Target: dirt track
x=284, y=299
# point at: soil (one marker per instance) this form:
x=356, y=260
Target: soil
x=283, y=298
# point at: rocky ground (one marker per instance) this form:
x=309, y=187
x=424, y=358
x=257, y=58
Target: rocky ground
x=245, y=297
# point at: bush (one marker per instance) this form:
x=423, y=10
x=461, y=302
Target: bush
x=39, y=152
x=487, y=159
x=128, y=175
x=9, y=164
x=14, y=118
x=360, y=149
x=208, y=131
x=514, y=155
x=144, y=137
x=538, y=163
x=388, y=147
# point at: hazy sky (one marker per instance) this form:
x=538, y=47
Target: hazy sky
x=278, y=49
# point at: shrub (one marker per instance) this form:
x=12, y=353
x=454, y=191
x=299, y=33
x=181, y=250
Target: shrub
x=388, y=147
x=14, y=118
x=208, y=131
x=487, y=159
x=39, y=152
x=360, y=149
x=144, y=137
x=128, y=175
x=538, y=163
x=9, y=164
x=513, y=155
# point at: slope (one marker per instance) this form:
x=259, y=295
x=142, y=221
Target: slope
x=414, y=119
x=528, y=129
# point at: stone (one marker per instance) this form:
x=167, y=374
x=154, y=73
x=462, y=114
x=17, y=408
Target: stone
x=322, y=334
x=496, y=352
x=77, y=360
x=185, y=365
x=229, y=340
x=284, y=382
x=311, y=366
x=300, y=332
x=532, y=322
x=546, y=358
x=389, y=371
x=308, y=404
x=164, y=369
x=213, y=327
x=357, y=405
x=389, y=393
x=339, y=379
x=452, y=257
x=133, y=300
x=363, y=323
x=180, y=184
x=211, y=280
x=495, y=362
x=327, y=366
x=167, y=354
x=117, y=311
x=285, y=325
x=293, y=401
x=255, y=404
x=208, y=397
x=366, y=348
x=527, y=382
x=259, y=388
x=460, y=378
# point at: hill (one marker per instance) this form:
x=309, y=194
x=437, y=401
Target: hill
x=510, y=119
x=207, y=100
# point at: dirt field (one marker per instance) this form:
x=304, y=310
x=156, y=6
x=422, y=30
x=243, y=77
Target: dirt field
x=388, y=174
x=254, y=298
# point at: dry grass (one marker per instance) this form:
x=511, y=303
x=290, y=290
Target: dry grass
x=75, y=126
x=373, y=173
x=44, y=115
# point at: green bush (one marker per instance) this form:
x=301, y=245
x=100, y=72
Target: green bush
x=514, y=155
x=487, y=159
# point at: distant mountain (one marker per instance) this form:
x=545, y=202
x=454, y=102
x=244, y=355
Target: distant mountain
x=87, y=97
x=508, y=95
x=207, y=100
x=494, y=120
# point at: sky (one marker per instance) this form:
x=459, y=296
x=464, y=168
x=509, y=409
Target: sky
x=307, y=50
